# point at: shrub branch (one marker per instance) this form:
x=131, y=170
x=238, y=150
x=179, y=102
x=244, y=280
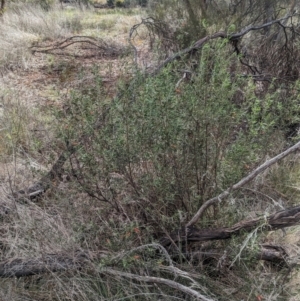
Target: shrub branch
x=233, y=38
x=241, y=183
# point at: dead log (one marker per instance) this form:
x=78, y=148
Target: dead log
x=103, y=6
x=49, y=263
x=274, y=254
x=278, y=220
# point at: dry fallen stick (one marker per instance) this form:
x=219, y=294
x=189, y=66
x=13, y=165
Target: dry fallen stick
x=275, y=254
x=58, y=263
x=49, y=263
x=251, y=176
x=103, y=47
x=278, y=220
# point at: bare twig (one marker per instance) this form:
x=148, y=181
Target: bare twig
x=135, y=52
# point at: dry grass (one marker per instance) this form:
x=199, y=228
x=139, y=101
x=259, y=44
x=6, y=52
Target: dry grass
x=24, y=26
x=110, y=24
x=29, y=83
x=31, y=89
x=27, y=25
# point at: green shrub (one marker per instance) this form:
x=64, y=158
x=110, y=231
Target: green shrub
x=175, y=147
x=120, y=3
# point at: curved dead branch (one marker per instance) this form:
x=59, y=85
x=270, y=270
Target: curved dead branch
x=154, y=28
x=234, y=37
x=101, y=46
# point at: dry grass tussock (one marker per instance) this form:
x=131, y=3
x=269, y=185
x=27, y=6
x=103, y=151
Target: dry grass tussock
x=25, y=25
x=117, y=24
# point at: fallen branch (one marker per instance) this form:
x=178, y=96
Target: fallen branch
x=222, y=259
x=247, y=179
x=48, y=263
x=103, y=6
x=60, y=263
x=278, y=220
x=100, y=45
x=271, y=253
x=51, y=263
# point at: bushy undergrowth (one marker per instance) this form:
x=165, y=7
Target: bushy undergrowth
x=173, y=147
x=151, y=156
